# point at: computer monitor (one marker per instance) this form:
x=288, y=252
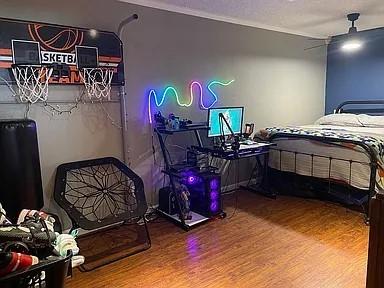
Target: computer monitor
x=234, y=116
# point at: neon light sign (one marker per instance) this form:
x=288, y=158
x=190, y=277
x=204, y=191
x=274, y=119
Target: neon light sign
x=170, y=89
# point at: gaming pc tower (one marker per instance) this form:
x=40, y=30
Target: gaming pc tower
x=204, y=194
x=205, y=190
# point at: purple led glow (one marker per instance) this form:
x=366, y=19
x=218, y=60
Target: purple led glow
x=214, y=195
x=214, y=184
x=192, y=245
x=192, y=180
x=214, y=206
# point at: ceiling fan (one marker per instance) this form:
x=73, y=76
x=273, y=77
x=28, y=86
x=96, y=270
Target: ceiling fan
x=352, y=43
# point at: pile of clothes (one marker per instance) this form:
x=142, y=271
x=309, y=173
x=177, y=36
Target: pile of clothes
x=32, y=239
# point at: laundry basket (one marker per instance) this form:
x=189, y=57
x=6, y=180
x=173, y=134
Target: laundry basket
x=46, y=274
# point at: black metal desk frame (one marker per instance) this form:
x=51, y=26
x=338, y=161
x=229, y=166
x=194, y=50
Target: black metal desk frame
x=257, y=153
x=161, y=132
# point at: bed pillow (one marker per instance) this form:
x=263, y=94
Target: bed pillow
x=371, y=121
x=341, y=119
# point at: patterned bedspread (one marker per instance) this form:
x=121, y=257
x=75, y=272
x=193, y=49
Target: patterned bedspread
x=375, y=143
x=339, y=136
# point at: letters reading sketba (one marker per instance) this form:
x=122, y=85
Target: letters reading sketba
x=57, y=57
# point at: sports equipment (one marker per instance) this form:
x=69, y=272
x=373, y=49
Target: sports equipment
x=97, y=82
x=32, y=82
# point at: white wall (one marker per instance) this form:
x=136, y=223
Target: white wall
x=276, y=80
x=86, y=133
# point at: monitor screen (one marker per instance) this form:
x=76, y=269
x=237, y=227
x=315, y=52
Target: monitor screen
x=26, y=52
x=87, y=57
x=234, y=116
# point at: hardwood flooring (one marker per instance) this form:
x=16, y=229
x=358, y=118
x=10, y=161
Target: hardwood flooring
x=285, y=243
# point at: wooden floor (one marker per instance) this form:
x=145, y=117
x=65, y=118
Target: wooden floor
x=288, y=242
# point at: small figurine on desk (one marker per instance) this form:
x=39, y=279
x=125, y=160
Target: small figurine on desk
x=173, y=122
x=248, y=130
x=159, y=119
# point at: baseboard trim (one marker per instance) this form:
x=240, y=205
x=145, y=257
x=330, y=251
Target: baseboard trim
x=234, y=186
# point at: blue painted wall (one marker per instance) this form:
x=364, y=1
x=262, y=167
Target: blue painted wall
x=358, y=75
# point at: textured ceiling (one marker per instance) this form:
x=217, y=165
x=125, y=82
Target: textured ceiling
x=317, y=18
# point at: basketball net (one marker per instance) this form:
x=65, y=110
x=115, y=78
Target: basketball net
x=97, y=82
x=32, y=82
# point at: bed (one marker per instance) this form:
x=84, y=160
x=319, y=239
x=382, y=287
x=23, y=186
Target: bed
x=339, y=157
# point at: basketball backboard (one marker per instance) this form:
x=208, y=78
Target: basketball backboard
x=57, y=46
x=87, y=57
x=26, y=52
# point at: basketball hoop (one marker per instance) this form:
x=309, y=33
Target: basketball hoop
x=32, y=82
x=97, y=82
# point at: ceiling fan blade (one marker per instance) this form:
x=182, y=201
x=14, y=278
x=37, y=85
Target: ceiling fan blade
x=315, y=47
x=317, y=39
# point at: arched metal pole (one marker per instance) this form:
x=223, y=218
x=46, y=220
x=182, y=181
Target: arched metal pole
x=123, y=109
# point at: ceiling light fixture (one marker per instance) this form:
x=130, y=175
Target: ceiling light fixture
x=350, y=42
x=351, y=45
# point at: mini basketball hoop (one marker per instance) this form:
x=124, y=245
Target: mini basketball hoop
x=32, y=82
x=30, y=76
x=97, y=82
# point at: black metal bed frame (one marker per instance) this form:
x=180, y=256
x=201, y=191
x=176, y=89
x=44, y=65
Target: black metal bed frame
x=341, y=109
x=373, y=161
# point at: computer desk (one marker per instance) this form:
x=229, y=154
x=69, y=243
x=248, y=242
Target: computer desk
x=258, y=150
x=162, y=132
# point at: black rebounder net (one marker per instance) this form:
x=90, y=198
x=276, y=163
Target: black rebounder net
x=99, y=192
x=96, y=194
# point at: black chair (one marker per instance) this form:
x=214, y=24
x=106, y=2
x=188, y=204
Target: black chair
x=104, y=197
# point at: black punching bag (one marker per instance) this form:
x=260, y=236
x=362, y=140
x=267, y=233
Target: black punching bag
x=20, y=175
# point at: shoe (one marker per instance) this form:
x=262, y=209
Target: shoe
x=3, y=217
x=32, y=232
x=26, y=213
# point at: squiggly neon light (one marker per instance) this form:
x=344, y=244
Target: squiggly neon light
x=213, y=93
x=200, y=90
x=158, y=103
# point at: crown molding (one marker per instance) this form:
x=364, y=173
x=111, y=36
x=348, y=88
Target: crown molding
x=202, y=14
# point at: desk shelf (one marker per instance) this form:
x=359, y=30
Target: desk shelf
x=174, y=177
x=167, y=131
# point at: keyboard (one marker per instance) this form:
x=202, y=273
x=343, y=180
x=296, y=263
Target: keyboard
x=254, y=145
x=256, y=148
x=249, y=145
x=248, y=142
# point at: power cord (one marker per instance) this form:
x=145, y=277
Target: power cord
x=237, y=179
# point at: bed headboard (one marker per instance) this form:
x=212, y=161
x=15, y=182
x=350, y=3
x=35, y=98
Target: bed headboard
x=372, y=107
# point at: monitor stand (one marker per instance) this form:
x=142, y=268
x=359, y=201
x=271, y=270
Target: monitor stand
x=236, y=142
